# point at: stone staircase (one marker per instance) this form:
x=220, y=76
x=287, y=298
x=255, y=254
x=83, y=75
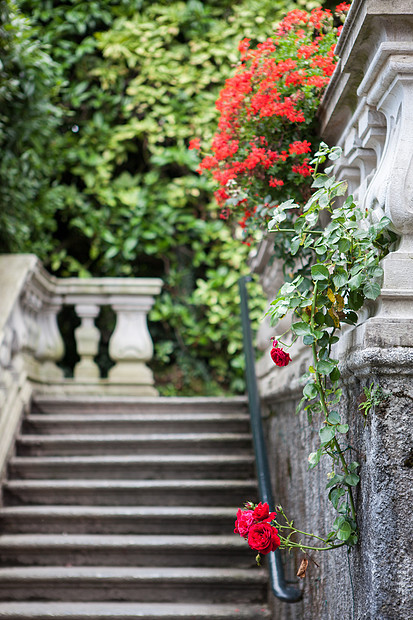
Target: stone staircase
x=125, y=509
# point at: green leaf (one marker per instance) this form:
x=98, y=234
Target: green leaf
x=344, y=531
x=324, y=367
x=352, y=479
x=308, y=339
x=353, y=466
x=338, y=522
x=335, y=495
x=310, y=391
x=301, y=328
x=335, y=374
x=336, y=479
x=355, y=300
x=371, y=290
x=344, y=245
x=326, y=433
x=340, y=277
x=295, y=245
x=319, y=272
x=321, y=180
x=334, y=417
x=343, y=428
x=355, y=281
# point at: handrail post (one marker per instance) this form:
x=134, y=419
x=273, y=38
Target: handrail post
x=279, y=586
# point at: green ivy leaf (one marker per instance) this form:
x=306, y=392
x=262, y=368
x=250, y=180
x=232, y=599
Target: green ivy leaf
x=319, y=272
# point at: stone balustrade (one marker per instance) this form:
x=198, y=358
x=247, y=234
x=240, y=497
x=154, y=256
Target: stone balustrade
x=31, y=344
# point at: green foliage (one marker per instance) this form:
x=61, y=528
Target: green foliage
x=29, y=81
x=97, y=175
x=338, y=270
x=373, y=396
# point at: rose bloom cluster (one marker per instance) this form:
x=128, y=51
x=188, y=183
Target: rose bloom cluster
x=262, y=149
x=254, y=523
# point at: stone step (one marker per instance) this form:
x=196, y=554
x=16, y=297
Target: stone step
x=136, y=423
x=96, y=550
x=132, y=404
x=139, y=467
x=143, y=584
x=131, y=611
x=130, y=492
x=177, y=443
x=117, y=520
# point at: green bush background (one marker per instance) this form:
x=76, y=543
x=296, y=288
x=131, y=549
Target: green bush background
x=98, y=102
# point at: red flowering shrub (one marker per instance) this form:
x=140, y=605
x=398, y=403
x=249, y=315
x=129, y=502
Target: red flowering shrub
x=279, y=356
x=262, y=148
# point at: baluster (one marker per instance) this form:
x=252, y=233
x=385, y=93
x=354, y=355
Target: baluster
x=131, y=344
x=87, y=338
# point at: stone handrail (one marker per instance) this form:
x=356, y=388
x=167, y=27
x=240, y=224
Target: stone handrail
x=31, y=344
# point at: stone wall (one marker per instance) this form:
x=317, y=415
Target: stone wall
x=368, y=111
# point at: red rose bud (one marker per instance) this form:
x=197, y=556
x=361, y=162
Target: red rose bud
x=279, y=356
x=263, y=537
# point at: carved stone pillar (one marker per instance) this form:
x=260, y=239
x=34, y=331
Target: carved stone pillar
x=87, y=338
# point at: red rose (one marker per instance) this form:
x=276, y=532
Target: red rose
x=243, y=523
x=262, y=513
x=263, y=537
x=279, y=356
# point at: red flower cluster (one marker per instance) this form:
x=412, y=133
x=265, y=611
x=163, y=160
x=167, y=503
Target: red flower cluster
x=276, y=88
x=255, y=525
x=279, y=356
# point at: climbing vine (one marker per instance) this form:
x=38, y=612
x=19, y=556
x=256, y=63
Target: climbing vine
x=337, y=270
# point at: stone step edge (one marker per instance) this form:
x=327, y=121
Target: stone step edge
x=155, y=484
x=131, y=459
x=34, y=542
x=129, y=437
x=116, y=511
x=136, y=417
x=132, y=611
x=134, y=575
x=46, y=403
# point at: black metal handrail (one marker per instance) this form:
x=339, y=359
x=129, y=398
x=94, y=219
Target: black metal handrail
x=279, y=586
